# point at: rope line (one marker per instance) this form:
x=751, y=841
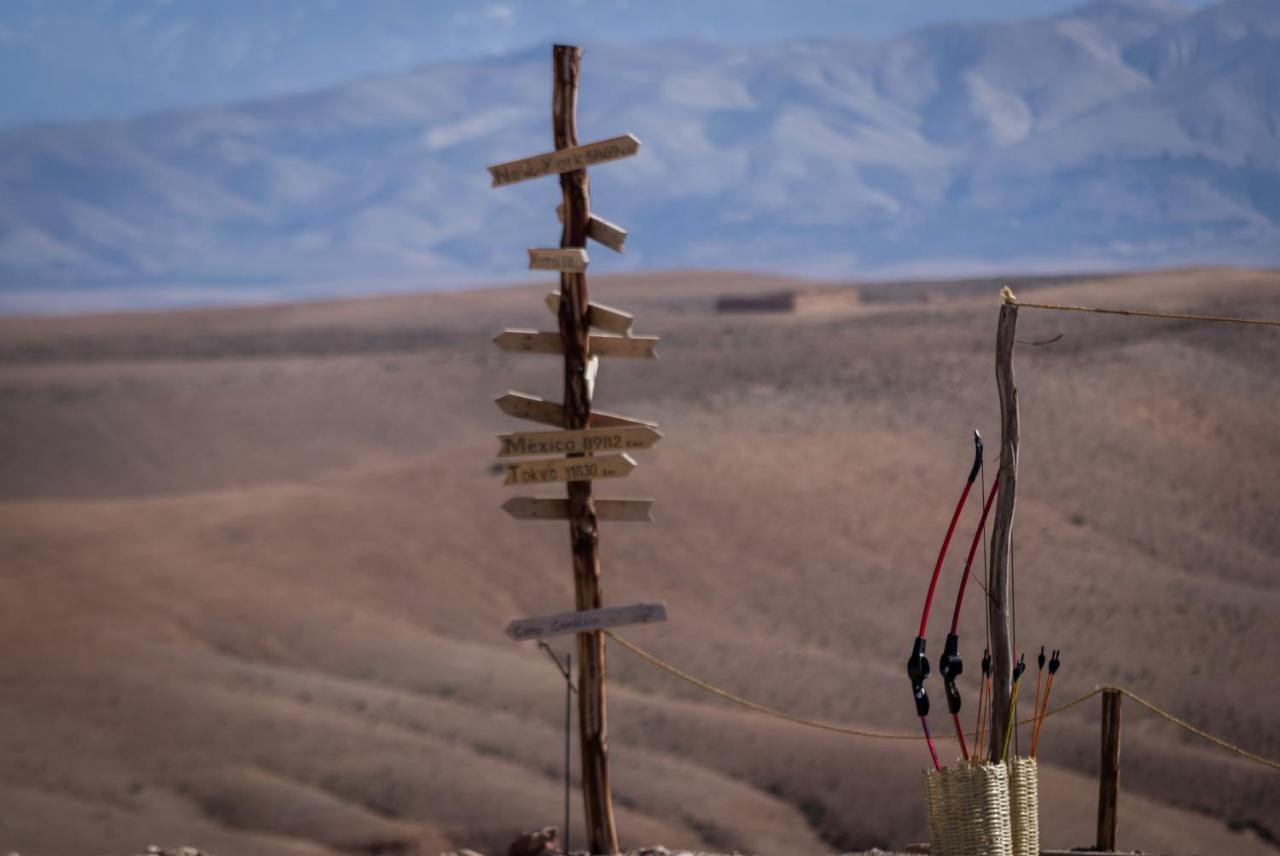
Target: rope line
x=1230, y=747
x=1007, y=296
x=654, y=660
x=798, y=720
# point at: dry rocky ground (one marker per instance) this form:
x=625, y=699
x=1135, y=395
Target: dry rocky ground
x=256, y=574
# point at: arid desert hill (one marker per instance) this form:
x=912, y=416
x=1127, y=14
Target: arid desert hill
x=256, y=573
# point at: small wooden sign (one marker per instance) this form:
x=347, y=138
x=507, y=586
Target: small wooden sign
x=590, y=441
x=598, y=315
x=549, y=508
x=534, y=342
x=570, y=259
x=586, y=621
x=537, y=409
x=570, y=469
x=564, y=160
x=600, y=230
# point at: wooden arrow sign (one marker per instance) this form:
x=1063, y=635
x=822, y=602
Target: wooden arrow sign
x=538, y=508
x=600, y=230
x=586, y=621
x=570, y=469
x=589, y=441
x=534, y=342
x=571, y=259
x=564, y=160
x=537, y=409
x=598, y=315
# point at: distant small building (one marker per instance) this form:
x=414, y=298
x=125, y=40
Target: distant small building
x=802, y=300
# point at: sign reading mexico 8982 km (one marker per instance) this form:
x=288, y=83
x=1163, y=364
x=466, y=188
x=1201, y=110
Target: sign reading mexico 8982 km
x=589, y=441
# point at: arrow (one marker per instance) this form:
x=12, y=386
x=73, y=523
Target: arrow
x=537, y=409
x=917, y=662
x=586, y=621
x=1054, y=663
x=621, y=510
x=984, y=690
x=564, y=160
x=588, y=441
x=598, y=315
x=570, y=259
x=1013, y=704
x=600, y=230
x=570, y=469
x=535, y=342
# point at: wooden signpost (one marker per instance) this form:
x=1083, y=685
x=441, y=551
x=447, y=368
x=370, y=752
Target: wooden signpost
x=573, y=158
x=599, y=316
x=601, y=231
x=535, y=409
x=572, y=259
x=593, y=444
x=536, y=342
x=575, y=469
x=577, y=442
x=550, y=508
x=580, y=622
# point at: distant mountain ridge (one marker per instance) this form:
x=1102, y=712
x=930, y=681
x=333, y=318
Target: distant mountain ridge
x=1123, y=133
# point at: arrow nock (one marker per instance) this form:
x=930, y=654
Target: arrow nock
x=1054, y=662
x=986, y=662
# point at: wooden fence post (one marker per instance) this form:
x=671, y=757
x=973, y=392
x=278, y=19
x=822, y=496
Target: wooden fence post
x=1109, y=770
x=998, y=593
x=593, y=728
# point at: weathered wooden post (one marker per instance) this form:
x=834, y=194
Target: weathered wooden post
x=998, y=588
x=593, y=728
x=582, y=432
x=1109, y=771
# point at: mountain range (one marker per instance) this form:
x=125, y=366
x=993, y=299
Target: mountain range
x=1124, y=133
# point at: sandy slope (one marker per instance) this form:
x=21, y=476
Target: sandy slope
x=256, y=574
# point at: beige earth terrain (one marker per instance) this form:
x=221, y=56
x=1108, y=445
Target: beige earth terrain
x=256, y=571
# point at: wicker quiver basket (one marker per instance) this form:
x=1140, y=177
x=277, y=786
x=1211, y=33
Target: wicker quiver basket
x=1024, y=806
x=968, y=811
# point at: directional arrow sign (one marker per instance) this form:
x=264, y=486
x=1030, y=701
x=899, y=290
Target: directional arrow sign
x=571, y=259
x=601, y=231
x=534, y=342
x=598, y=315
x=589, y=441
x=538, y=508
x=536, y=409
x=570, y=469
x=564, y=160
x=587, y=621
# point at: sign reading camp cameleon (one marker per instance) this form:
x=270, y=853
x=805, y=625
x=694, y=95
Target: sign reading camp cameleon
x=570, y=469
x=564, y=160
x=586, y=621
x=591, y=440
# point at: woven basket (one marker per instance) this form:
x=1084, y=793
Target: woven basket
x=968, y=811
x=1024, y=806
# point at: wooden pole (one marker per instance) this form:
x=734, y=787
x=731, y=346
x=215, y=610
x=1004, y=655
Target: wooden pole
x=1109, y=771
x=998, y=588
x=584, y=535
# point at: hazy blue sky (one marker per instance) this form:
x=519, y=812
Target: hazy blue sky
x=62, y=59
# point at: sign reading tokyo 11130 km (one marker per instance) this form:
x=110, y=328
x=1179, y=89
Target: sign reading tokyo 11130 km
x=570, y=469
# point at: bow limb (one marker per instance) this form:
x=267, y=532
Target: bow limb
x=917, y=662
